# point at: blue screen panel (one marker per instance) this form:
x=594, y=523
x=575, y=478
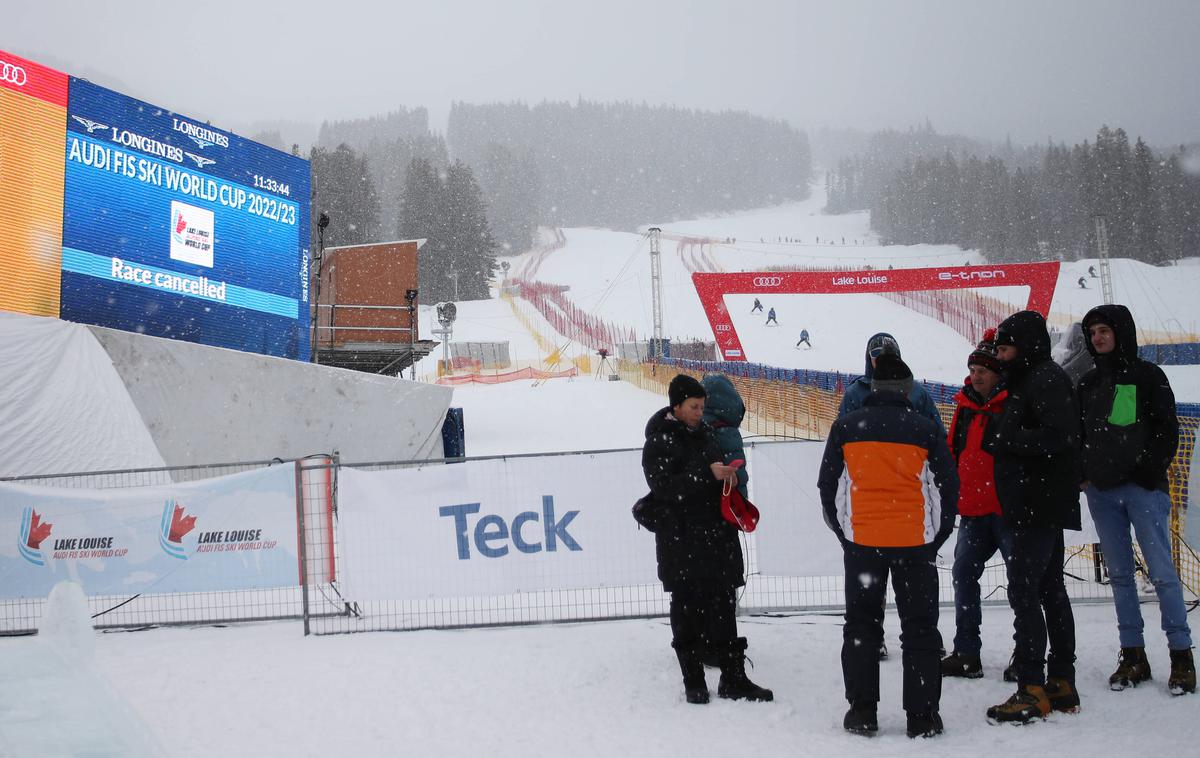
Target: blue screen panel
x=176, y=229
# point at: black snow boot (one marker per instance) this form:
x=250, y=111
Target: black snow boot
x=924, y=724
x=734, y=684
x=1010, y=671
x=691, y=664
x=1132, y=669
x=1183, y=673
x=862, y=718
x=965, y=666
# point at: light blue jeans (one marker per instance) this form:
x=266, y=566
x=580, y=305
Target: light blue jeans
x=1149, y=513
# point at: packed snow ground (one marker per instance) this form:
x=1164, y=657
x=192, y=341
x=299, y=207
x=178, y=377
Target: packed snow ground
x=579, y=690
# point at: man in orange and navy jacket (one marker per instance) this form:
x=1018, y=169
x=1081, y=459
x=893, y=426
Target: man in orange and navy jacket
x=889, y=490
x=982, y=529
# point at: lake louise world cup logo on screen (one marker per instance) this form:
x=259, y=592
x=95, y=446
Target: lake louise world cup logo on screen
x=191, y=234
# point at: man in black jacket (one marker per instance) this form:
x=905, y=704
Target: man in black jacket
x=699, y=556
x=1036, y=451
x=1130, y=434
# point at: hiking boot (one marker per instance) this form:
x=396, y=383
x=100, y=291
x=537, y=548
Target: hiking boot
x=1026, y=704
x=924, y=724
x=1010, y=671
x=861, y=719
x=734, y=684
x=1062, y=695
x=1132, y=669
x=1183, y=673
x=965, y=666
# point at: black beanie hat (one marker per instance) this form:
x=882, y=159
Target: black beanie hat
x=985, y=353
x=682, y=387
x=891, y=374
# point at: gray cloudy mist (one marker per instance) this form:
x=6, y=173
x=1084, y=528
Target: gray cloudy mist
x=1031, y=70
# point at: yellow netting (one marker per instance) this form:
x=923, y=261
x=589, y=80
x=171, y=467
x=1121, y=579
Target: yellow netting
x=785, y=410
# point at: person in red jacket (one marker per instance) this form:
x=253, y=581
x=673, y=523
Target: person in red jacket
x=981, y=527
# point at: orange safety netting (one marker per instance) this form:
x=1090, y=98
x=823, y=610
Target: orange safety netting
x=508, y=376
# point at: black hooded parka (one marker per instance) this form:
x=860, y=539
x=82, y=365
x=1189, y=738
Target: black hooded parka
x=697, y=548
x=1130, y=430
x=1036, y=444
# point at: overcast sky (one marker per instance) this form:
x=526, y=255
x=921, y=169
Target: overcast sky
x=1025, y=68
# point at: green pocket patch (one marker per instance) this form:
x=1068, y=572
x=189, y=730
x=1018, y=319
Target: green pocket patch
x=1124, y=407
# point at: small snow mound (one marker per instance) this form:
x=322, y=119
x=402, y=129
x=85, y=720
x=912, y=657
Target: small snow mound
x=66, y=623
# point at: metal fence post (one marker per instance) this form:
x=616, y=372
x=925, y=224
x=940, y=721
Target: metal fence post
x=300, y=545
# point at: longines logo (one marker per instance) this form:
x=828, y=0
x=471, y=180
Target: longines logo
x=90, y=125
x=200, y=135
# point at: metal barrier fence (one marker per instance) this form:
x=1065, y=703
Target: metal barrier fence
x=423, y=600
x=327, y=603
x=142, y=609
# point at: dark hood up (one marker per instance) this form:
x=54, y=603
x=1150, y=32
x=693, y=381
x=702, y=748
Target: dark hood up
x=723, y=403
x=1026, y=331
x=1121, y=320
x=869, y=370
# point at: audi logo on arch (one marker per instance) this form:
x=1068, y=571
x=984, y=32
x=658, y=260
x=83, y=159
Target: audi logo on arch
x=768, y=281
x=12, y=74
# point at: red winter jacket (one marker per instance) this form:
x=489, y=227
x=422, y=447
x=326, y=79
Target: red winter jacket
x=973, y=419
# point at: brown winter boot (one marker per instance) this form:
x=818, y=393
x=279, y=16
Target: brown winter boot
x=1062, y=695
x=1183, y=673
x=1029, y=702
x=1132, y=669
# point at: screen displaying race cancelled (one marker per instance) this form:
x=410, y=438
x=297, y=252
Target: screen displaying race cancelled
x=173, y=228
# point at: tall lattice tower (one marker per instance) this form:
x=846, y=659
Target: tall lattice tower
x=656, y=346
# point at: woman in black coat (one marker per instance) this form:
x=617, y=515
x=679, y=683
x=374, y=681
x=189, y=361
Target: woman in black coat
x=699, y=556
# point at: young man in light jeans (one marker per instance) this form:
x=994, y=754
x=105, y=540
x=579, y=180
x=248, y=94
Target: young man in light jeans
x=1130, y=433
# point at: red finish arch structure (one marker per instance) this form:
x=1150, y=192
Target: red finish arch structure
x=1041, y=278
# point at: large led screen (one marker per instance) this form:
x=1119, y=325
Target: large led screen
x=174, y=228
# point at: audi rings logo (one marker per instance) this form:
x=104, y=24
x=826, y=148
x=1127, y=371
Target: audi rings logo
x=12, y=74
x=768, y=281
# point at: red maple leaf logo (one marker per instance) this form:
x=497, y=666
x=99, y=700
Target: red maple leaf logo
x=37, y=531
x=180, y=224
x=180, y=525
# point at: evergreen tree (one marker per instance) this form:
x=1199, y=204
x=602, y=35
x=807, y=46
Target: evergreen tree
x=343, y=189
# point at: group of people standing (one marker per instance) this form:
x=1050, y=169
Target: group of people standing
x=1022, y=443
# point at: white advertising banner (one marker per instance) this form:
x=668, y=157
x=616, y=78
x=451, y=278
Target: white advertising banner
x=792, y=538
x=493, y=527
x=228, y=533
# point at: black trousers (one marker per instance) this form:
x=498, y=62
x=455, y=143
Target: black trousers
x=703, y=619
x=915, y=584
x=1041, y=608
